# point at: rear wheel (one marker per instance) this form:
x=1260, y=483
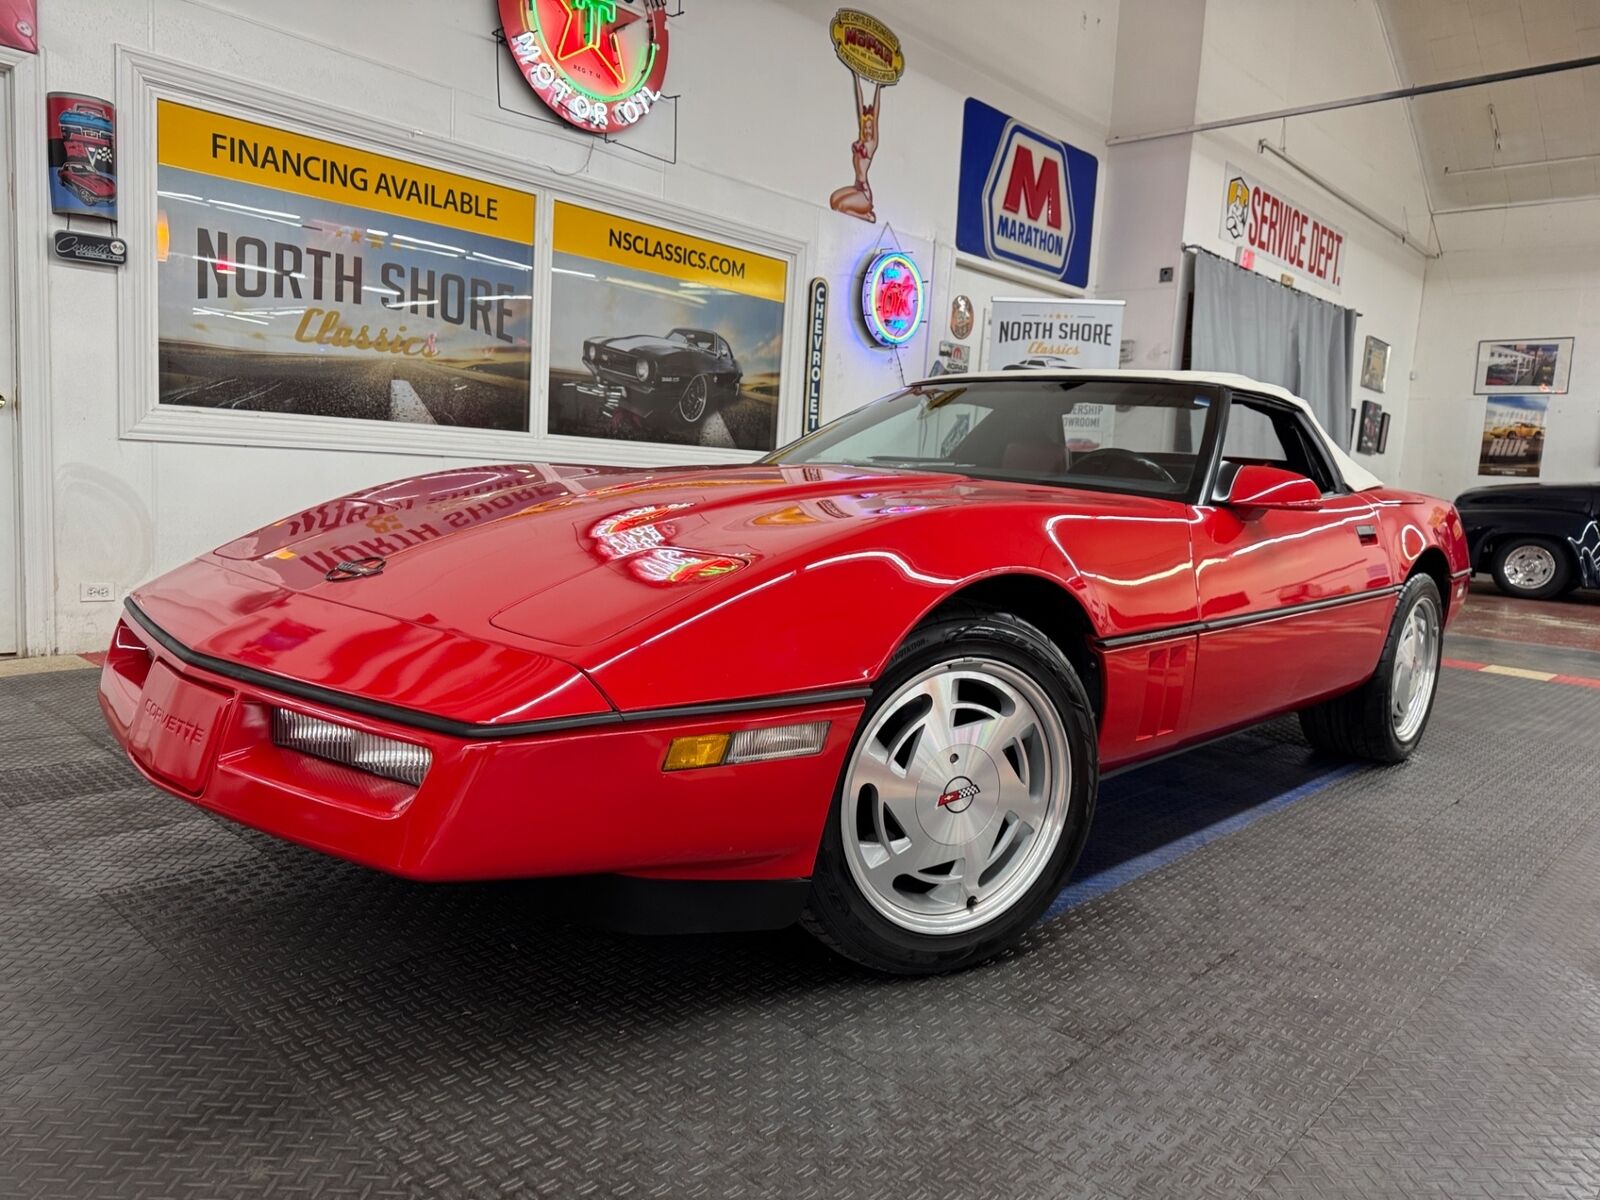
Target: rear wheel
x=964, y=803
x=1531, y=568
x=1383, y=719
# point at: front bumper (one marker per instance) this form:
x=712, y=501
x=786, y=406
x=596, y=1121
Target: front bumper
x=571, y=802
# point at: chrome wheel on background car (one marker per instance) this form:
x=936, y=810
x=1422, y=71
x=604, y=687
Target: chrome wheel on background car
x=692, y=404
x=1416, y=669
x=1529, y=567
x=956, y=796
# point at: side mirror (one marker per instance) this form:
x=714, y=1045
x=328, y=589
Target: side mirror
x=1255, y=486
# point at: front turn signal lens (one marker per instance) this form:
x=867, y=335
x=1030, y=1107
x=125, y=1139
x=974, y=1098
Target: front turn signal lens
x=746, y=746
x=701, y=750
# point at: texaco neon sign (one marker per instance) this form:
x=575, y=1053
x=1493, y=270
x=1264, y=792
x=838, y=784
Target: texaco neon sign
x=598, y=64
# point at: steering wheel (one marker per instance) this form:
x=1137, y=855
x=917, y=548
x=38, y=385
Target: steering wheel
x=1111, y=461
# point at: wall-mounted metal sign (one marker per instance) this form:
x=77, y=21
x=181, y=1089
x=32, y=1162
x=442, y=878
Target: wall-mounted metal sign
x=816, y=344
x=95, y=248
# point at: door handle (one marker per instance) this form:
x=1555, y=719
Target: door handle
x=1368, y=534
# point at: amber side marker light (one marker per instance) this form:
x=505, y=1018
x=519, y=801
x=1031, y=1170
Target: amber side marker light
x=746, y=746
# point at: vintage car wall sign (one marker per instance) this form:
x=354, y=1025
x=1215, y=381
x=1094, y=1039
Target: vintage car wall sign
x=892, y=298
x=94, y=248
x=598, y=64
x=1026, y=198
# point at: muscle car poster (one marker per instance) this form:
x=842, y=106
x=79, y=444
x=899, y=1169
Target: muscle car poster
x=659, y=336
x=1513, y=436
x=302, y=276
x=83, y=156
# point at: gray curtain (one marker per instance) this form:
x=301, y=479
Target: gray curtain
x=1248, y=323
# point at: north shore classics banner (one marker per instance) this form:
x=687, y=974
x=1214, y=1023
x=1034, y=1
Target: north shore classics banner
x=298, y=275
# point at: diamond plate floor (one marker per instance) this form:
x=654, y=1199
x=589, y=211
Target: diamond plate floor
x=1388, y=988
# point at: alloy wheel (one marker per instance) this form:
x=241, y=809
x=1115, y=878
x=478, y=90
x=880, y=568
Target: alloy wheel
x=956, y=796
x=1529, y=568
x=1416, y=668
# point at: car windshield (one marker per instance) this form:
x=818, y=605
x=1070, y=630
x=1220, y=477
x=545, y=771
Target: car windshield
x=1122, y=435
x=694, y=337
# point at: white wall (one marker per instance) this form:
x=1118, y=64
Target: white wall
x=765, y=121
x=1515, y=273
x=1264, y=55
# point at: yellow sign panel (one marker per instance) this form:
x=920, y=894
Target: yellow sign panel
x=868, y=47
x=192, y=139
x=588, y=233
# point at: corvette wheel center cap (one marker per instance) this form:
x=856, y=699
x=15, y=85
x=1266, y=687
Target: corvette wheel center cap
x=958, y=795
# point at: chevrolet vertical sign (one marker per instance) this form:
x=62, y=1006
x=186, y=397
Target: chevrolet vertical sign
x=1026, y=198
x=816, y=346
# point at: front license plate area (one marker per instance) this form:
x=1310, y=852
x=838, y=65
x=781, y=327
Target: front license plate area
x=177, y=728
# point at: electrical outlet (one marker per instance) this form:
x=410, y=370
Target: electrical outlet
x=94, y=593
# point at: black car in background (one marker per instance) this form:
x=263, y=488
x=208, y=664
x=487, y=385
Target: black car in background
x=1537, y=539
x=682, y=374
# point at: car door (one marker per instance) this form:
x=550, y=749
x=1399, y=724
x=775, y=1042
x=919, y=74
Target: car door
x=1294, y=603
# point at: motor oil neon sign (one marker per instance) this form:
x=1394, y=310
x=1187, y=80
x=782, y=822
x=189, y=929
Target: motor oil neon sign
x=892, y=298
x=598, y=64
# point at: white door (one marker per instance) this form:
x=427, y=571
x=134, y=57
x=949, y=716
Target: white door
x=10, y=569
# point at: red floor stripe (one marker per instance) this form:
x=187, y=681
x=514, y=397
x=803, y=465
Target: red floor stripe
x=1577, y=681
x=1462, y=664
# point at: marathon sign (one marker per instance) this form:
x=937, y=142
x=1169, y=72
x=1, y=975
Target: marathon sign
x=1026, y=198
x=1255, y=217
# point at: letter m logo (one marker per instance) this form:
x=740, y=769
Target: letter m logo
x=1027, y=202
x=1034, y=186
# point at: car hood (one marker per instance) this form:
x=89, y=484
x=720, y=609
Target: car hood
x=644, y=343
x=647, y=583
x=573, y=556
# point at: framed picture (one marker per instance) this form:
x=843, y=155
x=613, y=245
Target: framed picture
x=1383, y=434
x=1371, y=427
x=1375, y=365
x=1518, y=367
x=1354, y=429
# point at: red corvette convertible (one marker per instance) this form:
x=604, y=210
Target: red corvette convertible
x=869, y=683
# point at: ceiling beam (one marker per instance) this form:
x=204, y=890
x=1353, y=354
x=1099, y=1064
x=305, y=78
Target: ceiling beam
x=1405, y=93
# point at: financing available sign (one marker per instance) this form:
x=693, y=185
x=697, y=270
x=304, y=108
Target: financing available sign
x=1044, y=334
x=1025, y=198
x=1262, y=221
x=298, y=275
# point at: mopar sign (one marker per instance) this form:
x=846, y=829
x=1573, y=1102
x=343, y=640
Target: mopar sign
x=1026, y=199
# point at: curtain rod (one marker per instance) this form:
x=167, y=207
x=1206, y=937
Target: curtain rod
x=1194, y=247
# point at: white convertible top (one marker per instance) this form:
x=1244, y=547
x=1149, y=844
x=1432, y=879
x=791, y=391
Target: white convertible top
x=1356, y=477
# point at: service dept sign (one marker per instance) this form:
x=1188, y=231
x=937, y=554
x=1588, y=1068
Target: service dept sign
x=599, y=64
x=1257, y=218
x=1026, y=198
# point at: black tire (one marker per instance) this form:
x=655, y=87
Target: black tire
x=1560, y=581
x=694, y=405
x=1360, y=724
x=840, y=916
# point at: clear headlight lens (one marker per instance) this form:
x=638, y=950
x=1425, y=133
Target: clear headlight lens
x=642, y=370
x=349, y=747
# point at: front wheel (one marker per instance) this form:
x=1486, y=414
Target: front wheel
x=964, y=802
x=694, y=402
x=1384, y=718
x=1531, y=568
